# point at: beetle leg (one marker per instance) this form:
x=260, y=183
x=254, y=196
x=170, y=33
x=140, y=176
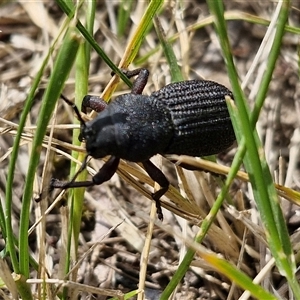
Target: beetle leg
x=140, y=81
x=94, y=102
x=104, y=174
x=98, y=104
x=158, y=176
x=107, y=170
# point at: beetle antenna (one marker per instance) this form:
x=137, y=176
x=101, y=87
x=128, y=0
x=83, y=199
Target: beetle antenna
x=75, y=108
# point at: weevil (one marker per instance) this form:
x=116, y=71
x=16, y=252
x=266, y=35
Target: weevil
x=183, y=118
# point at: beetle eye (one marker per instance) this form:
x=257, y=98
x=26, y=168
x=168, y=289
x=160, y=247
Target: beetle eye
x=87, y=133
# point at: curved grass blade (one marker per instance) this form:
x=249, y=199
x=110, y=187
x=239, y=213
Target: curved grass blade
x=59, y=75
x=260, y=177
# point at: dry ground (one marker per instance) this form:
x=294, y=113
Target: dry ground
x=115, y=261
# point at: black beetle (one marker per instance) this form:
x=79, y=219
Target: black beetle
x=183, y=118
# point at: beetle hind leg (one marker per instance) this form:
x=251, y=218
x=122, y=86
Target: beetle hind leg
x=158, y=176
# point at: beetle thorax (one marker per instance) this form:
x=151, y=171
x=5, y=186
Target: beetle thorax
x=132, y=127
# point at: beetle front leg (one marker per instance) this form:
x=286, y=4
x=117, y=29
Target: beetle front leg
x=94, y=102
x=141, y=80
x=104, y=174
x=158, y=176
x=98, y=104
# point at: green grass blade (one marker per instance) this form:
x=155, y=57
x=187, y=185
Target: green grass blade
x=221, y=265
x=12, y=164
x=262, y=183
x=237, y=276
x=81, y=89
x=140, y=32
x=69, y=9
x=11, y=241
x=169, y=53
x=124, y=15
x=2, y=219
x=60, y=73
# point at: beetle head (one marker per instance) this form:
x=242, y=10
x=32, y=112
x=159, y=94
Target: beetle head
x=101, y=134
